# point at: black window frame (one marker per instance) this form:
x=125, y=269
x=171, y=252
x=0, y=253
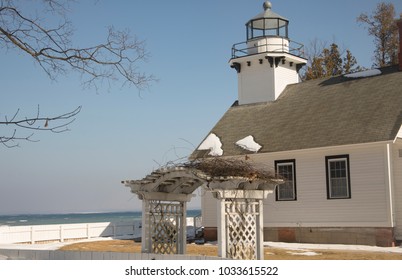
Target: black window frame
x=333, y=158
x=293, y=163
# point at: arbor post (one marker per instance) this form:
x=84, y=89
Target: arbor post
x=241, y=223
x=164, y=223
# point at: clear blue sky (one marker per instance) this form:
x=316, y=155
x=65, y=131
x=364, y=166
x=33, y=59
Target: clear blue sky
x=120, y=135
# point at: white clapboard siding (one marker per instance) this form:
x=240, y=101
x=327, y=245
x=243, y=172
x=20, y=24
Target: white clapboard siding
x=397, y=168
x=368, y=207
x=209, y=206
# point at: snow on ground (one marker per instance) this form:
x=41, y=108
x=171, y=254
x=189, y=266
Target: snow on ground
x=304, y=253
x=308, y=246
x=303, y=248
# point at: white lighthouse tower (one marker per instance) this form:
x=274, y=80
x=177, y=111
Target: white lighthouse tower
x=268, y=61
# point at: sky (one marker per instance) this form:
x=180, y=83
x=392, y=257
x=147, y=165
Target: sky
x=123, y=134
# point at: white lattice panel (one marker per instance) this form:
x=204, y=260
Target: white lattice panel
x=241, y=218
x=165, y=220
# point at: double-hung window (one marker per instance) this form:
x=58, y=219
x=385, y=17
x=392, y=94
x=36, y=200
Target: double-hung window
x=286, y=169
x=338, y=176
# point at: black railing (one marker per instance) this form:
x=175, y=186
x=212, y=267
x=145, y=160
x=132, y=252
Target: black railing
x=283, y=46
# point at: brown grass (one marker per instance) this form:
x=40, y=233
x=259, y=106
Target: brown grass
x=130, y=246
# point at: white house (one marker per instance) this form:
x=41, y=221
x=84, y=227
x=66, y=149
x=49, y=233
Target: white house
x=337, y=141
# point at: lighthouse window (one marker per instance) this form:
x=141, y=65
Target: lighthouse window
x=283, y=31
x=258, y=33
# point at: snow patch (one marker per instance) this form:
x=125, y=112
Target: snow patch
x=212, y=143
x=363, y=74
x=305, y=253
x=307, y=246
x=399, y=135
x=249, y=144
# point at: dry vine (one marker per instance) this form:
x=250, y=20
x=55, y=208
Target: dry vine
x=218, y=168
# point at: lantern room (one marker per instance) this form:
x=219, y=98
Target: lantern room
x=267, y=24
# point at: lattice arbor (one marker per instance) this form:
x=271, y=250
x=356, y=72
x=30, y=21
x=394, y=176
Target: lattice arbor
x=164, y=194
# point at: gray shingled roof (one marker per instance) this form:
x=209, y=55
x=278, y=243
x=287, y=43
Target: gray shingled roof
x=317, y=113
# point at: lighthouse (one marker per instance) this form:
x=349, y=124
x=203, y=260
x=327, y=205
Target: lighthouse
x=268, y=60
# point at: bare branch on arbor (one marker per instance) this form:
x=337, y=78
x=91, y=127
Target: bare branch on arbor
x=55, y=124
x=217, y=168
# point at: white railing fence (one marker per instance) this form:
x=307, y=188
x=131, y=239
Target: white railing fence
x=63, y=232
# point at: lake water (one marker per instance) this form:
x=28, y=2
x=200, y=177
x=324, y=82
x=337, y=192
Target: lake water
x=73, y=218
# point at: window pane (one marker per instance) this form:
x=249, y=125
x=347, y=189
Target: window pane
x=286, y=191
x=339, y=187
x=258, y=33
x=338, y=178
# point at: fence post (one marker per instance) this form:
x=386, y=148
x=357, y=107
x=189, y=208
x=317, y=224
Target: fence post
x=88, y=234
x=32, y=235
x=61, y=234
x=195, y=226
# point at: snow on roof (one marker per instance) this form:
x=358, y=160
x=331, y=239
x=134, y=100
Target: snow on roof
x=399, y=135
x=249, y=144
x=362, y=74
x=212, y=143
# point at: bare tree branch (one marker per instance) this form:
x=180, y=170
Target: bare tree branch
x=115, y=59
x=51, y=47
x=13, y=141
x=382, y=26
x=55, y=124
